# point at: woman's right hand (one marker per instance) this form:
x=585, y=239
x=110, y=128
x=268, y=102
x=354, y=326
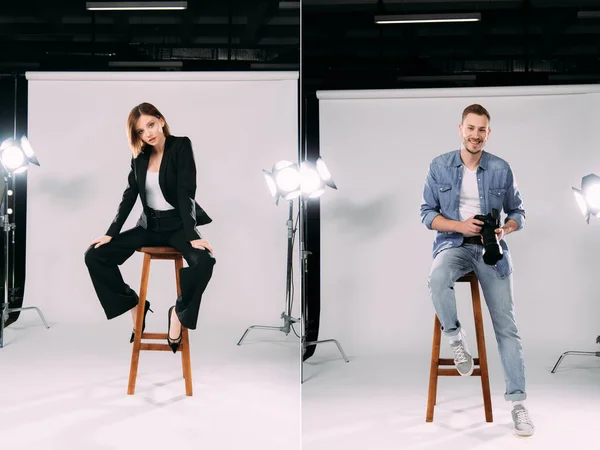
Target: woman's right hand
x=101, y=241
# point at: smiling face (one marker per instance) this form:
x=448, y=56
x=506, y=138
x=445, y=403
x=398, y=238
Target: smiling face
x=150, y=129
x=474, y=132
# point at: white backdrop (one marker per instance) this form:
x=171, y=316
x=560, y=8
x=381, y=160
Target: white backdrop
x=376, y=254
x=239, y=124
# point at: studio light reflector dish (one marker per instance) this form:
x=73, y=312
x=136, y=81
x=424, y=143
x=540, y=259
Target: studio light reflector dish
x=16, y=156
x=11, y=155
x=288, y=181
x=311, y=179
x=581, y=202
x=283, y=180
x=28, y=150
x=588, y=197
x=324, y=172
x=270, y=183
x=592, y=195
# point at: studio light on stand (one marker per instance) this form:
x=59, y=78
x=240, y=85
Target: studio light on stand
x=284, y=181
x=290, y=182
x=588, y=200
x=15, y=157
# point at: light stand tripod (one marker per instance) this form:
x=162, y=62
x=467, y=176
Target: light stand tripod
x=9, y=248
x=288, y=320
x=587, y=200
x=576, y=353
x=304, y=257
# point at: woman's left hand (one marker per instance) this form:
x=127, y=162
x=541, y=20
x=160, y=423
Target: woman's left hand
x=202, y=244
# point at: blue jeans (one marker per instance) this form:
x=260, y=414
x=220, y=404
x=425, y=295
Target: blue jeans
x=497, y=286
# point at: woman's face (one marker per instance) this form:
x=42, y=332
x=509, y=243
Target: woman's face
x=150, y=129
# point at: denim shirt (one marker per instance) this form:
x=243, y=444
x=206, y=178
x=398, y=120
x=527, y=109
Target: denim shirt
x=497, y=189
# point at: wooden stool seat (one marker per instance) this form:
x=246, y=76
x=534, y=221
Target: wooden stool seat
x=165, y=253
x=436, y=361
x=160, y=252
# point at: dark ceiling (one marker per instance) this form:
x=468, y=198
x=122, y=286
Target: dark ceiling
x=209, y=35
x=515, y=43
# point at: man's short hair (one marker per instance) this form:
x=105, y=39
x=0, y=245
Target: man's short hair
x=475, y=109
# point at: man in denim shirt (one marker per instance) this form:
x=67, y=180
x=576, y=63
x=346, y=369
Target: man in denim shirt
x=460, y=185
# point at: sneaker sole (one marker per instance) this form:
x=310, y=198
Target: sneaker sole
x=469, y=373
x=523, y=433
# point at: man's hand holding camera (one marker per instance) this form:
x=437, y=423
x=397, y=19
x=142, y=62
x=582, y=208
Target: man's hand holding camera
x=470, y=227
x=501, y=232
x=505, y=229
x=491, y=232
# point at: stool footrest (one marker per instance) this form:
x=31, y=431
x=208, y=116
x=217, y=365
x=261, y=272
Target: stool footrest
x=154, y=335
x=454, y=373
x=159, y=347
x=448, y=361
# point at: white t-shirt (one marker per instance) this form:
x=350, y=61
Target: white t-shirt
x=470, y=204
x=154, y=196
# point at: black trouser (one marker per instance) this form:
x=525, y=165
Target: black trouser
x=116, y=297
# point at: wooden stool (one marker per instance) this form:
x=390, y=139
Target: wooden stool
x=171, y=254
x=436, y=362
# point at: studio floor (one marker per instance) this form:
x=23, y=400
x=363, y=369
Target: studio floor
x=379, y=403
x=65, y=388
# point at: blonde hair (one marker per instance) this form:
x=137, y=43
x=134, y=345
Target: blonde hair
x=143, y=109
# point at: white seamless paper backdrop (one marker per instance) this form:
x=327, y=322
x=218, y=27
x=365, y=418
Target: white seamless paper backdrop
x=239, y=124
x=376, y=253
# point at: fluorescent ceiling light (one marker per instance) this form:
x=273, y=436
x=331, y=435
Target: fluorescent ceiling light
x=427, y=18
x=135, y=6
x=588, y=14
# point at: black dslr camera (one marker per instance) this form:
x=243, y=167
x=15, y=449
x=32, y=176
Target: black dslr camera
x=492, y=252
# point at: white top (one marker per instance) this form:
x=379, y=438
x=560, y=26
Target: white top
x=469, y=195
x=154, y=196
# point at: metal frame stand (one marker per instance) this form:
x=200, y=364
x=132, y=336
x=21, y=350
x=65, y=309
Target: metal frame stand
x=288, y=320
x=597, y=354
x=8, y=227
x=324, y=341
x=304, y=255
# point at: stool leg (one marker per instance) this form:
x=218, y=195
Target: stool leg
x=185, y=340
x=137, y=341
x=433, y=371
x=186, y=363
x=485, y=379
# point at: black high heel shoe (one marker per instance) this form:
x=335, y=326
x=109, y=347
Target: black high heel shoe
x=146, y=309
x=173, y=343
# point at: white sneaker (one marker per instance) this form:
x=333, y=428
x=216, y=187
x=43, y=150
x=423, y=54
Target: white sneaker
x=463, y=361
x=523, y=425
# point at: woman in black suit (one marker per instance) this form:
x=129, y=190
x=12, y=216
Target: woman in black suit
x=163, y=174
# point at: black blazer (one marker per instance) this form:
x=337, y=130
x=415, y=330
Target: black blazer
x=177, y=180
